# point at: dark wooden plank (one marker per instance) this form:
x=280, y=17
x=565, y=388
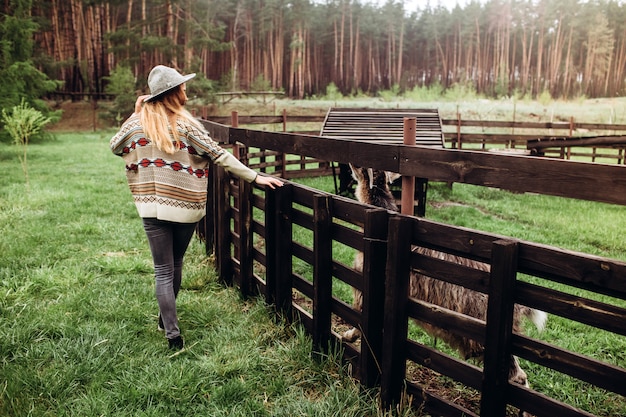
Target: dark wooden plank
x=457, y=323
x=461, y=241
x=348, y=210
x=301, y=316
x=586, y=181
x=374, y=261
x=271, y=246
x=600, y=374
x=583, y=310
x=499, y=329
x=347, y=236
x=435, y=405
x=303, y=285
x=222, y=226
x=322, y=273
x=284, y=246
x=347, y=313
x=302, y=252
x=348, y=275
x=218, y=132
x=206, y=226
x=245, y=239
x=509, y=124
x=492, y=138
x=451, y=272
x=594, y=273
x=461, y=371
x=583, y=141
x=396, y=323
x=541, y=405
x=302, y=218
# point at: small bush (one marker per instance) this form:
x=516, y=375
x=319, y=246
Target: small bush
x=260, y=84
x=545, y=98
x=22, y=123
x=425, y=93
x=461, y=91
x=390, y=95
x=121, y=84
x=332, y=92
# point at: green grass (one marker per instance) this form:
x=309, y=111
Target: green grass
x=78, y=316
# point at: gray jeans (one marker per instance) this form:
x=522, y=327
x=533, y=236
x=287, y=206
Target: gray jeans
x=168, y=243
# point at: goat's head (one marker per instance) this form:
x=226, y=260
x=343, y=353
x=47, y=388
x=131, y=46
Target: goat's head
x=373, y=187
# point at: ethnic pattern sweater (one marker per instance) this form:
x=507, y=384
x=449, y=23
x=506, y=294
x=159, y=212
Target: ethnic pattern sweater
x=172, y=187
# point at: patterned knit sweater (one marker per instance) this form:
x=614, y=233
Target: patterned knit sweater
x=172, y=187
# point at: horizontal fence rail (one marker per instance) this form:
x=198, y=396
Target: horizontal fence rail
x=594, y=142
x=259, y=246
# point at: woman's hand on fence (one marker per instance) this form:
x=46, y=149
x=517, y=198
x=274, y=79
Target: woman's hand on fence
x=271, y=182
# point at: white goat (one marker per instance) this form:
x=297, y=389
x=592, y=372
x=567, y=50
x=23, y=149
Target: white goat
x=373, y=188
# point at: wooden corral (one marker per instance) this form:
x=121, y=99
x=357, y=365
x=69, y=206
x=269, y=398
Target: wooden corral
x=258, y=256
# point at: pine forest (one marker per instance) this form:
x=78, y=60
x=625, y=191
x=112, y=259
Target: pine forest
x=569, y=48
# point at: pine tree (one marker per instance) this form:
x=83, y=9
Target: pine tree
x=21, y=80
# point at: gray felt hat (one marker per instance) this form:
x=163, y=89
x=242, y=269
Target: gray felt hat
x=162, y=79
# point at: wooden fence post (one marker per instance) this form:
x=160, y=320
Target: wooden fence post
x=245, y=238
x=271, y=245
x=396, y=321
x=283, y=232
x=375, y=235
x=499, y=328
x=222, y=226
x=421, y=190
x=206, y=226
x=407, y=198
x=458, y=131
x=322, y=272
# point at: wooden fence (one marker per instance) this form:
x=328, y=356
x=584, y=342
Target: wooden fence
x=257, y=248
x=595, y=142
x=563, y=140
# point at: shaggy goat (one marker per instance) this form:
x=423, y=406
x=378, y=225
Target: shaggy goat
x=373, y=188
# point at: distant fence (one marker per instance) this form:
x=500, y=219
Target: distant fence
x=256, y=248
x=75, y=96
x=563, y=140
x=595, y=142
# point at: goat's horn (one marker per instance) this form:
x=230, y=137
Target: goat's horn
x=370, y=173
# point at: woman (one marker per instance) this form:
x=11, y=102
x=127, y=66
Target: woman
x=167, y=151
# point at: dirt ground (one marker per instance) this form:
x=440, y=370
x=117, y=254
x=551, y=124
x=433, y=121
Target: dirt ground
x=78, y=116
x=83, y=116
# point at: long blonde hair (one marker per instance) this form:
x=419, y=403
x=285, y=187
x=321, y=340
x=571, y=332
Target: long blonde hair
x=158, y=119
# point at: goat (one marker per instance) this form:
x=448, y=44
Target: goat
x=373, y=188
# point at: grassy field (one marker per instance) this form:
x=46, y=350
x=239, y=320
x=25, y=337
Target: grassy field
x=78, y=315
